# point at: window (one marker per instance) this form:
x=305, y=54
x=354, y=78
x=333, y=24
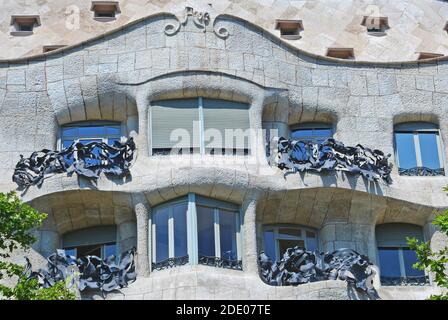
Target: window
x=196, y=230
x=49, y=48
x=205, y=126
x=428, y=55
x=90, y=132
x=418, y=149
x=341, y=53
x=96, y=241
x=312, y=132
x=395, y=257
x=375, y=25
x=289, y=29
x=277, y=239
x=24, y=24
x=105, y=10
x=169, y=227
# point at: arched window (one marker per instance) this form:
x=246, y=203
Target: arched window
x=312, y=132
x=276, y=239
x=418, y=149
x=199, y=125
x=196, y=230
x=86, y=132
x=395, y=257
x=97, y=241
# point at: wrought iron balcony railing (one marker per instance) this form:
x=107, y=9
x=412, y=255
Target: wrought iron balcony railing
x=405, y=281
x=170, y=263
x=332, y=155
x=87, y=160
x=421, y=171
x=221, y=262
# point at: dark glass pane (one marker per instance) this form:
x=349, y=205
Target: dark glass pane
x=113, y=130
x=180, y=230
x=111, y=141
x=206, y=232
x=286, y=244
x=389, y=262
x=327, y=133
x=299, y=134
x=311, y=241
x=406, y=150
x=290, y=232
x=93, y=131
x=70, y=131
x=66, y=143
x=269, y=244
x=87, y=141
x=109, y=249
x=94, y=250
x=429, y=150
x=161, y=236
x=227, y=232
x=409, y=258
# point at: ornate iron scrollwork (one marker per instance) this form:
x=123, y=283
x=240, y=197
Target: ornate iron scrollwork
x=299, y=266
x=405, y=281
x=87, y=160
x=421, y=171
x=170, y=263
x=332, y=155
x=86, y=272
x=221, y=262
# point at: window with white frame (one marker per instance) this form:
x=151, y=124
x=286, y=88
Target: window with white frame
x=312, y=132
x=87, y=132
x=199, y=125
x=96, y=241
x=419, y=149
x=396, y=259
x=196, y=230
x=277, y=239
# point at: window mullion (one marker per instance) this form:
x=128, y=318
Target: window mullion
x=418, y=156
x=440, y=150
x=238, y=235
x=401, y=259
x=217, y=233
x=154, y=239
x=170, y=233
x=201, y=127
x=192, y=230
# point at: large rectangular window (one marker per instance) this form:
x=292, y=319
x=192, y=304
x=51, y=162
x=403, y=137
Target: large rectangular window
x=205, y=126
x=418, y=149
x=196, y=230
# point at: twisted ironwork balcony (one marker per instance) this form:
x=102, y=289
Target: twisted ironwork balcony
x=421, y=171
x=298, y=266
x=405, y=281
x=332, y=155
x=87, y=160
x=221, y=262
x=170, y=263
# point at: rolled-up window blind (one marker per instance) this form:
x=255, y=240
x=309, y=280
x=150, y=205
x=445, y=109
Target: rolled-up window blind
x=174, y=122
x=220, y=115
x=394, y=234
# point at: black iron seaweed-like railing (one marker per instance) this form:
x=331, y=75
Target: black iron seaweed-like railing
x=299, y=266
x=421, y=171
x=221, y=262
x=405, y=281
x=332, y=155
x=86, y=272
x=87, y=160
x=170, y=263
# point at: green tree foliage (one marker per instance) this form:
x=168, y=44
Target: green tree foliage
x=16, y=221
x=434, y=261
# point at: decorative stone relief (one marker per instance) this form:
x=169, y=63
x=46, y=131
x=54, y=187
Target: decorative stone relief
x=332, y=155
x=200, y=19
x=87, y=160
x=299, y=266
x=86, y=272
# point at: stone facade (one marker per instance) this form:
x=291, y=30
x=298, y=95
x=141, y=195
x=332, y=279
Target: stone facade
x=415, y=25
x=116, y=76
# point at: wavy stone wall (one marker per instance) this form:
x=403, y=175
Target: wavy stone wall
x=116, y=76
